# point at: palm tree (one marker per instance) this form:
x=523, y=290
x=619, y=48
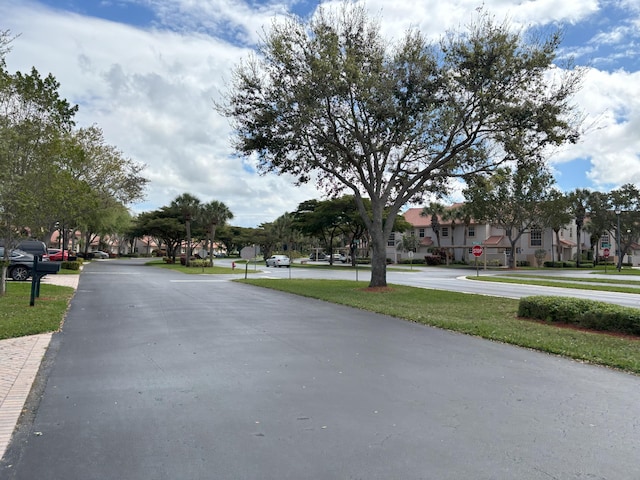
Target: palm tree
x=214, y=214
x=434, y=209
x=189, y=207
x=557, y=215
x=579, y=201
x=454, y=215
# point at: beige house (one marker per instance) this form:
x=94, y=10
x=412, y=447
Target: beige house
x=458, y=239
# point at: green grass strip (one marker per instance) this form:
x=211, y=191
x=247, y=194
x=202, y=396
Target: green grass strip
x=18, y=319
x=555, y=283
x=612, y=281
x=483, y=316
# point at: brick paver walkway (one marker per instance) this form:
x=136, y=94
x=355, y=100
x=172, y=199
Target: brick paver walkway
x=20, y=360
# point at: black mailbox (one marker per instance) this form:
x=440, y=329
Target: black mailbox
x=40, y=269
x=43, y=268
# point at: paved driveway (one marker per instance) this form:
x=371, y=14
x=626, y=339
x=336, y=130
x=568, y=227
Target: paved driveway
x=165, y=376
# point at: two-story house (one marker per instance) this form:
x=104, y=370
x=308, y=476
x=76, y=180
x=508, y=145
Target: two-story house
x=458, y=238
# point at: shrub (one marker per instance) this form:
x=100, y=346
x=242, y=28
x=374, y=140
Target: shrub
x=432, y=260
x=408, y=261
x=75, y=265
x=584, y=313
x=199, y=262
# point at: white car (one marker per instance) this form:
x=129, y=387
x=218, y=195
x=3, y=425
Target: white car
x=278, y=261
x=100, y=254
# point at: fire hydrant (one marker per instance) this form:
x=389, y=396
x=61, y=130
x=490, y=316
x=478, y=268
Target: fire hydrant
x=233, y=265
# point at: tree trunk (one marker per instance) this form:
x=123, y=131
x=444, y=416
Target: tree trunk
x=558, y=248
x=512, y=255
x=578, y=238
x=188, y=256
x=3, y=281
x=378, y=260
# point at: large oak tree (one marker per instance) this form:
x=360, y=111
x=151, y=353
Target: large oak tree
x=331, y=100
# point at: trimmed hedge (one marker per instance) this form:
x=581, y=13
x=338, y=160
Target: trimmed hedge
x=568, y=264
x=584, y=313
x=75, y=265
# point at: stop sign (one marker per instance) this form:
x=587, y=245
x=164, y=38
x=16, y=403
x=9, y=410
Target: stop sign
x=476, y=250
x=606, y=252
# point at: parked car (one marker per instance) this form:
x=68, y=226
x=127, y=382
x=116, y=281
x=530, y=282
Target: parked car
x=34, y=247
x=57, y=255
x=345, y=258
x=100, y=254
x=278, y=261
x=317, y=256
x=20, y=264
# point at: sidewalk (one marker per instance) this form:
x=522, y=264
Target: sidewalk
x=19, y=363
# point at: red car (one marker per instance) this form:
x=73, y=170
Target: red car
x=57, y=255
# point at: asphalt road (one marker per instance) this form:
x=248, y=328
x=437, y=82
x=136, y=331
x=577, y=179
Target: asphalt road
x=158, y=375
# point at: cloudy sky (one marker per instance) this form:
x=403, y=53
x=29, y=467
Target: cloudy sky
x=147, y=72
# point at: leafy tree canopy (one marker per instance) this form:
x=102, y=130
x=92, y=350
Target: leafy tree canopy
x=331, y=100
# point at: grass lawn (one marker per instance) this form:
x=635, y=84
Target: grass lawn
x=197, y=270
x=18, y=319
x=612, y=285
x=487, y=317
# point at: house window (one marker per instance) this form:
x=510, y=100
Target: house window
x=536, y=237
x=570, y=232
x=507, y=251
x=421, y=232
x=392, y=240
x=445, y=231
x=472, y=231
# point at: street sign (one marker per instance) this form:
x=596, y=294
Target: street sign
x=606, y=252
x=477, y=250
x=249, y=253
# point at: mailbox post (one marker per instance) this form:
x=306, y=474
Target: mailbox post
x=40, y=269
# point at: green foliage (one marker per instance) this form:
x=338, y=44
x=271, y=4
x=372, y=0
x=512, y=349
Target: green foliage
x=584, y=313
x=540, y=254
x=18, y=319
x=409, y=261
x=330, y=100
x=199, y=263
x=559, y=264
x=74, y=265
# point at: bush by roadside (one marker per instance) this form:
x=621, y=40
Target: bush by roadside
x=583, y=313
x=75, y=265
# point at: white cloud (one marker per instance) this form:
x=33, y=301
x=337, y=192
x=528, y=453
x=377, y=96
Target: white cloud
x=152, y=93
x=152, y=90
x=611, y=104
x=435, y=17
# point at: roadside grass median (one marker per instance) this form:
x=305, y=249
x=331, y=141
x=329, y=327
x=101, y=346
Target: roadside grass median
x=18, y=319
x=487, y=317
x=195, y=270
x=608, y=284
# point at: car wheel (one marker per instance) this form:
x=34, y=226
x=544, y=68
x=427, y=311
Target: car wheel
x=20, y=273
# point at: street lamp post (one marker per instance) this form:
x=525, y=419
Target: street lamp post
x=618, y=241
